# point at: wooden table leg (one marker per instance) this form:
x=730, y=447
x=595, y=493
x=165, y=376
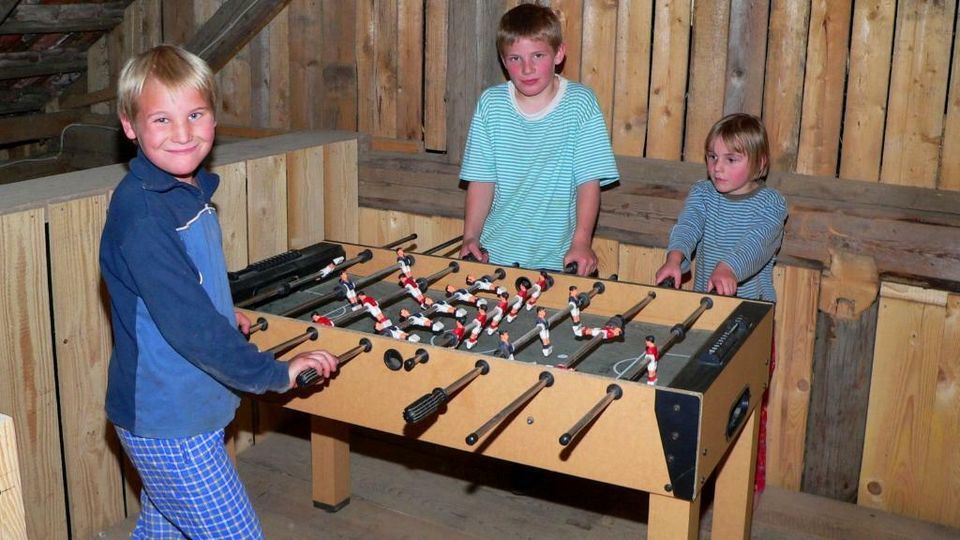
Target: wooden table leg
x=672, y=518
x=733, y=502
x=330, y=456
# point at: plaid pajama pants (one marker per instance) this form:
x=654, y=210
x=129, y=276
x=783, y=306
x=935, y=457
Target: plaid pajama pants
x=190, y=489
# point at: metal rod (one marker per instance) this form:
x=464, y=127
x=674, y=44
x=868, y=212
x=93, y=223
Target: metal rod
x=351, y=316
x=442, y=245
x=677, y=333
x=430, y=403
x=337, y=291
x=260, y=325
x=614, y=392
x=595, y=341
x=545, y=380
x=401, y=241
x=287, y=288
x=523, y=340
x=310, y=376
x=310, y=334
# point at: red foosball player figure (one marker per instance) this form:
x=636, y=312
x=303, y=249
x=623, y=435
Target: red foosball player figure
x=326, y=270
x=457, y=333
x=421, y=320
x=505, y=348
x=463, y=295
x=542, y=284
x=413, y=288
x=349, y=290
x=405, y=263
x=523, y=291
x=387, y=328
x=484, y=283
x=652, y=356
x=574, y=303
x=499, y=310
x=612, y=330
x=477, y=326
x=370, y=304
x=320, y=319
x=544, y=331
x=441, y=306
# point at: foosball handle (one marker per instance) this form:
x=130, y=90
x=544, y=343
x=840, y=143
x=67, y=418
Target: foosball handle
x=470, y=258
x=668, y=283
x=571, y=268
x=307, y=377
x=425, y=406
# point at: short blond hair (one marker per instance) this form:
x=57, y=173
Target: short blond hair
x=531, y=21
x=171, y=66
x=745, y=134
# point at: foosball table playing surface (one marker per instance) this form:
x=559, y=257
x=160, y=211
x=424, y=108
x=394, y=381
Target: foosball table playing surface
x=489, y=360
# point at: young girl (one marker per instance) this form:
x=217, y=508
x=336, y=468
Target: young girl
x=734, y=223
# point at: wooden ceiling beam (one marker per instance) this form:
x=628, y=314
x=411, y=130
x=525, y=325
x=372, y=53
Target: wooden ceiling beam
x=63, y=18
x=45, y=126
x=18, y=65
x=230, y=28
x=6, y=7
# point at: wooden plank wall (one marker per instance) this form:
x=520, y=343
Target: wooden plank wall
x=12, y=522
x=55, y=338
x=856, y=90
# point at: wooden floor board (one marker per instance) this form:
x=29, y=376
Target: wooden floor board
x=407, y=490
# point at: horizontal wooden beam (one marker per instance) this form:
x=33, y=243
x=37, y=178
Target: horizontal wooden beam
x=45, y=126
x=77, y=101
x=21, y=64
x=63, y=18
x=6, y=8
x=910, y=232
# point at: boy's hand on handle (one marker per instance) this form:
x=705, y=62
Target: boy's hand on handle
x=583, y=256
x=471, y=249
x=324, y=363
x=243, y=323
x=723, y=280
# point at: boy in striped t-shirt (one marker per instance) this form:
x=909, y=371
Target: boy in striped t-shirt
x=537, y=154
x=734, y=222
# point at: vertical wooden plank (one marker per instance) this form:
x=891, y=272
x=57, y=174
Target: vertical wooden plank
x=784, y=82
x=341, y=200
x=949, y=177
x=632, y=82
x=179, y=24
x=608, y=256
x=230, y=201
x=266, y=207
x=13, y=524
x=746, y=52
x=789, y=399
x=571, y=17
x=340, y=65
x=841, y=377
x=379, y=227
x=639, y=264
x=235, y=87
x=733, y=504
x=918, y=88
x=409, y=69
x=599, y=46
x=98, y=72
x=305, y=64
x=823, y=88
x=259, y=48
x=913, y=421
x=305, y=208
x=711, y=20
x=279, y=96
x=435, y=78
x=366, y=66
x=871, y=44
x=82, y=343
x=386, y=76
x=673, y=519
x=27, y=388
x=668, y=78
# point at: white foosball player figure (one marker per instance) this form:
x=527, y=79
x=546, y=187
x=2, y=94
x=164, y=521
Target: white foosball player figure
x=484, y=283
x=505, y=348
x=328, y=269
x=387, y=328
x=544, y=327
x=441, y=306
x=421, y=320
x=405, y=263
x=349, y=290
x=574, y=303
x=464, y=296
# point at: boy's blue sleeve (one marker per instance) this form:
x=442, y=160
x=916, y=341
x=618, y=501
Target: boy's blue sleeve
x=762, y=241
x=167, y=282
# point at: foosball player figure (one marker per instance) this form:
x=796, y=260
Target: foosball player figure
x=478, y=323
x=652, y=356
x=405, y=262
x=349, y=289
x=421, y=320
x=612, y=330
x=458, y=332
x=543, y=283
x=372, y=307
x=441, y=306
x=505, y=348
x=387, y=328
x=326, y=270
x=544, y=331
x=320, y=319
x=413, y=288
x=499, y=310
x=574, y=302
x=463, y=295
x=484, y=283
x=523, y=291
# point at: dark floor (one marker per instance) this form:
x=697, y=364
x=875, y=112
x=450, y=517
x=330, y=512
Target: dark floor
x=408, y=490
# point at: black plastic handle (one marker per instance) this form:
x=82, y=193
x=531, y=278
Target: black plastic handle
x=425, y=406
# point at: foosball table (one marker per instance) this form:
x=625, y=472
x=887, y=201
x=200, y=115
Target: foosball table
x=565, y=373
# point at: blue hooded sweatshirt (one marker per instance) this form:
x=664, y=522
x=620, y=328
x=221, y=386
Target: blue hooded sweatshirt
x=178, y=359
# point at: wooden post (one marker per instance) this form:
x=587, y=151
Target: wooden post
x=330, y=457
x=673, y=519
x=12, y=523
x=733, y=503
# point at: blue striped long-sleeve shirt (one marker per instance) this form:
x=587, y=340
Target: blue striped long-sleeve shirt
x=744, y=231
